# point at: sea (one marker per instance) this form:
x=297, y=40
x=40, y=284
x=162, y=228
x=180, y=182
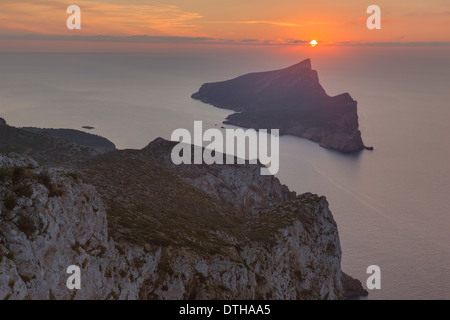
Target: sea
x=392, y=205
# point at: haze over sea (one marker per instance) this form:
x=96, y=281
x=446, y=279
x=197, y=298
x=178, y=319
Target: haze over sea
x=391, y=205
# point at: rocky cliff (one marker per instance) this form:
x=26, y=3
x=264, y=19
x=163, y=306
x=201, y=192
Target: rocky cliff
x=140, y=227
x=291, y=100
x=192, y=240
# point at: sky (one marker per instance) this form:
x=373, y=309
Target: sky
x=34, y=23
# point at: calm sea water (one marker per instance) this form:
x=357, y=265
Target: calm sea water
x=391, y=205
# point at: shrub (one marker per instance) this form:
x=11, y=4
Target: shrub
x=223, y=287
x=120, y=249
x=45, y=179
x=114, y=295
x=10, y=202
x=76, y=248
x=298, y=274
x=73, y=175
x=7, y=296
x=201, y=277
x=122, y=273
x=18, y=174
x=10, y=255
x=26, y=225
x=24, y=190
x=85, y=263
x=4, y=174
x=56, y=191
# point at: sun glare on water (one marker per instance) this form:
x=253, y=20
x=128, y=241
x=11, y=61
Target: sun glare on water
x=313, y=43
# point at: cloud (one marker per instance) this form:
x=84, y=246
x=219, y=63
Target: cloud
x=428, y=14
x=275, y=23
x=297, y=41
x=361, y=21
x=206, y=40
x=392, y=44
x=98, y=17
x=151, y=39
x=274, y=42
x=108, y=38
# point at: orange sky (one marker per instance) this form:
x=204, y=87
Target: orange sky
x=237, y=21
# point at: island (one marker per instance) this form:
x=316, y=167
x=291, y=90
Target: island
x=291, y=100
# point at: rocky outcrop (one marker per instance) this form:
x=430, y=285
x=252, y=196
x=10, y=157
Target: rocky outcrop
x=291, y=100
x=206, y=245
x=45, y=215
x=353, y=287
x=239, y=185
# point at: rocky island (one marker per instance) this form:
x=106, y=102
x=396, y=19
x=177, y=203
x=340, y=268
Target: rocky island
x=141, y=227
x=291, y=100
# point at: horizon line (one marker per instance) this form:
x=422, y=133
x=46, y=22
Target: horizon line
x=146, y=39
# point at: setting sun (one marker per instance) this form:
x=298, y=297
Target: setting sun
x=313, y=43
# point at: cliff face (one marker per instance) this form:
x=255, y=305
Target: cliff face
x=150, y=231
x=291, y=100
x=48, y=222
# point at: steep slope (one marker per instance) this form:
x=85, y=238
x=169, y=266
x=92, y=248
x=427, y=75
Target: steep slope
x=289, y=251
x=143, y=228
x=291, y=100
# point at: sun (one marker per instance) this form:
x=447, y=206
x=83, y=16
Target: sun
x=313, y=43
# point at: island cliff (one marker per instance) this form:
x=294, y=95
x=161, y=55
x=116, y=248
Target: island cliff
x=291, y=100
x=142, y=228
